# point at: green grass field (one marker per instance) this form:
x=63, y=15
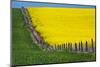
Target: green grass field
x=25, y=51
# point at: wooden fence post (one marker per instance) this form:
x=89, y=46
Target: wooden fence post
x=86, y=46
x=60, y=46
x=75, y=46
x=79, y=46
x=92, y=45
x=70, y=46
x=55, y=47
x=64, y=46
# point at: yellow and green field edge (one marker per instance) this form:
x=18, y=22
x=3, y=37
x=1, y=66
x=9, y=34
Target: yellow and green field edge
x=34, y=34
x=79, y=47
x=26, y=52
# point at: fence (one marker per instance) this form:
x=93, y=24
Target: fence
x=34, y=34
x=76, y=47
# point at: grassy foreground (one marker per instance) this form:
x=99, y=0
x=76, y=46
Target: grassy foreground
x=25, y=51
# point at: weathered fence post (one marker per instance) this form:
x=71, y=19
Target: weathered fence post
x=55, y=47
x=60, y=46
x=70, y=46
x=92, y=45
x=86, y=46
x=81, y=46
x=64, y=46
x=75, y=46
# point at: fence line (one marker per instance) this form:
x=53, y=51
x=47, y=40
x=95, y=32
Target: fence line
x=68, y=46
x=77, y=47
x=34, y=34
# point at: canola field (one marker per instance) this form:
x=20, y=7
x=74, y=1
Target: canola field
x=26, y=52
x=62, y=25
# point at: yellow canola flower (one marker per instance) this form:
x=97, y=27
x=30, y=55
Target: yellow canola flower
x=62, y=25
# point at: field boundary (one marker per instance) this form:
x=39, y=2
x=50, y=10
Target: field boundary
x=34, y=34
x=78, y=47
